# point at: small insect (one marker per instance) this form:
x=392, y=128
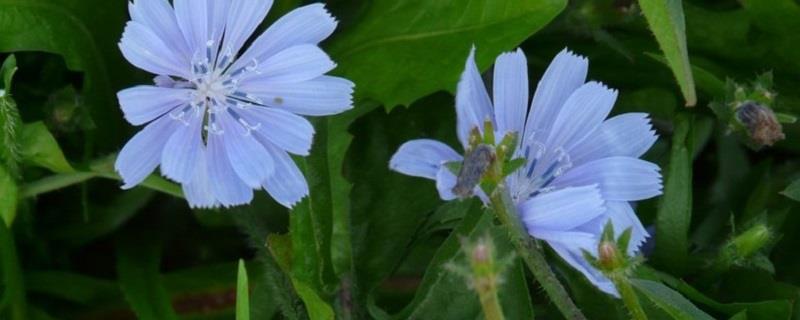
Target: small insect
x=475, y=164
x=761, y=123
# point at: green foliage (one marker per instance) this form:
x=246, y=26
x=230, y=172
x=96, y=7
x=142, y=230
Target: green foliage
x=372, y=243
x=242, y=294
x=668, y=25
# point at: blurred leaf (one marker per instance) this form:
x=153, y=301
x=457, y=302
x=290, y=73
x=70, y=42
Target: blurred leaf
x=242, y=294
x=104, y=220
x=138, y=261
x=669, y=301
x=667, y=23
x=675, y=207
x=793, y=191
x=40, y=148
x=422, y=44
x=13, y=304
x=72, y=287
x=85, y=33
x=8, y=197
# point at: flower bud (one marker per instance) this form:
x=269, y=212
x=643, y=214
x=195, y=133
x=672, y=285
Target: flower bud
x=608, y=255
x=751, y=241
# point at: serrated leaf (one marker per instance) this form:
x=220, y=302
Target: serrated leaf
x=422, y=44
x=675, y=207
x=666, y=20
x=669, y=301
x=242, y=294
x=10, y=120
x=40, y=148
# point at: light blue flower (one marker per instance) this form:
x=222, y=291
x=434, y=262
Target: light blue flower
x=221, y=120
x=581, y=170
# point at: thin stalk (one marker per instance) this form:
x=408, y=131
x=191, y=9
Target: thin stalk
x=532, y=254
x=102, y=168
x=629, y=298
x=491, y=304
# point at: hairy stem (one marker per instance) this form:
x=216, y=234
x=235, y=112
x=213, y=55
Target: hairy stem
x=629, y=298
x=532, y=254
x=490, y=303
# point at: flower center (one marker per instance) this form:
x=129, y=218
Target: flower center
x=544, y=164
x=216, y=89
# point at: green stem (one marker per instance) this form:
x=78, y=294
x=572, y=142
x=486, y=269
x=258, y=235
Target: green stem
x=491, y=304
x=102, y=168
x=12, y=274
x=532, y=254
x=629, y=298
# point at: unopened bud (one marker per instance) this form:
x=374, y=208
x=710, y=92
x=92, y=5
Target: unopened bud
x=762, y=126
x=751, y=241
x=608, y=256
x=481, y=253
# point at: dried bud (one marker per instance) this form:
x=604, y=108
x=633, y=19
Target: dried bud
x=761, y=124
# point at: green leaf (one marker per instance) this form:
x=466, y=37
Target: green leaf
x=14, y=294
x=85, y=33
x=793, y=191
x=9, y=119
x=282, y=249
x=669, y=301
x=666, y=20
x=422, y=44
x=138, y=260
x=9, y=194
x=675, y=207
x=242, y=294
x=40, y=148
x=444, y=294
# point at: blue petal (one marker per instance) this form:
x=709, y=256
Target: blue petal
x=473, y=106
x=583, y=112
x=285, y=130
x=226, y=185
x=619, y=178
x=295, y=64
x=574, y=258
x=628, y=135
x=322, y=96
x=511, y=92
x=563, y=209
x=198, y=190
x=305, y=25
x=145, y=50
x=622, y=217
x=141, y=155
x=182, y=150
x=158, y=16
x=566, y=73
x=243, y=19
x=445, y=181
x=422, y=158
x=142, y=104
x=249, y=159
x=287, y=185
x=193, y=20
